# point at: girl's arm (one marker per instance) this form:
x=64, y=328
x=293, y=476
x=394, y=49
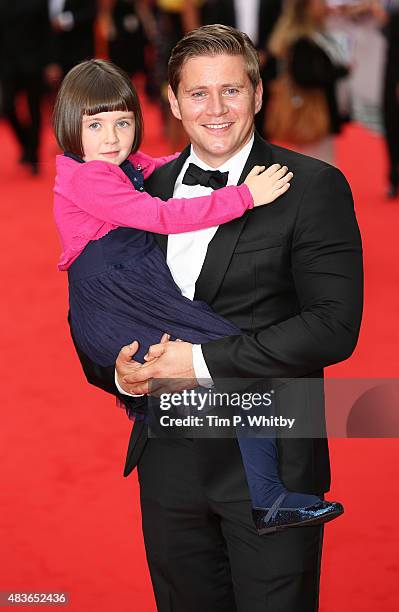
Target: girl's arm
x=148, y=164
x=103, y=190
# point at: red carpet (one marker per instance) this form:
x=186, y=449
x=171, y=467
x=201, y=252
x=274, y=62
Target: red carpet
x=69, y=521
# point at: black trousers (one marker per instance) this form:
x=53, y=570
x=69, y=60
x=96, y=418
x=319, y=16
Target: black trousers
x=202, y=549
x=391, y=125
x=27, y=133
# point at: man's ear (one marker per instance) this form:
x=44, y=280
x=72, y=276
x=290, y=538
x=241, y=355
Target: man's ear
x=258, y=97
x=174, y=105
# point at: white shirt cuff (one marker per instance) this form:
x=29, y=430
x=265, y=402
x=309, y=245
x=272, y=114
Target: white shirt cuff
x=200, y=368
x=124, y=392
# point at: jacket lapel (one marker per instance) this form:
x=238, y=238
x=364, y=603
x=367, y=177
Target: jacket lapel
x=222, y=245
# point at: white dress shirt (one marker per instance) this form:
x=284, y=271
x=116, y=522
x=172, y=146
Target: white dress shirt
x=187, y=251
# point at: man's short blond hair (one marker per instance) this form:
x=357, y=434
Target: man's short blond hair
x=212, y=40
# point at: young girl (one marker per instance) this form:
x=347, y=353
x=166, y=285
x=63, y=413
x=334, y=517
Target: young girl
x=120, y=287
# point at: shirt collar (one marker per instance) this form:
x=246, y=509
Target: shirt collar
x=234, y=166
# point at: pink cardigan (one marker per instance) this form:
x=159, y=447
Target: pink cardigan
x=93, y=198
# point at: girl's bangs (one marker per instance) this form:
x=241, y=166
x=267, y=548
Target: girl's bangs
x=104, y=107
x=107, y=99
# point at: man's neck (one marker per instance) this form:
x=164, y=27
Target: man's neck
x=242, y=153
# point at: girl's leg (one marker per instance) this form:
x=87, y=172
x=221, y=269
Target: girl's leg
x=260, y=459
x=274, y=507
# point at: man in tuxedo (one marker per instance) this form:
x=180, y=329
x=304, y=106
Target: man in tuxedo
x=290, y=276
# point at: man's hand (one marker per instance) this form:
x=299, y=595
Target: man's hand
x=172, y=361
x=125, y=363
x=166, y=360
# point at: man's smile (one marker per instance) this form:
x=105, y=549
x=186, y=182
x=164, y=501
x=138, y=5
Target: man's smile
x=218, y=126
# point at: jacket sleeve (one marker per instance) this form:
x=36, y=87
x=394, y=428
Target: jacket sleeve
x=326, y=265
x=103, y=191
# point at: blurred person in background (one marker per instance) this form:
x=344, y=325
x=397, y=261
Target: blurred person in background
x=24, y=37
x=385, y=15
x=257, y=18
x=391, y=103
x=314, y=62
x=130, y=26
x=174, y=19
x=72, y=35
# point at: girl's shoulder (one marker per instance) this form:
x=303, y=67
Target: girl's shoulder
x=66, y=167
x=143, y=162
x=72, y=167
x=73, y=176
x=147, y=164
x=62, y=162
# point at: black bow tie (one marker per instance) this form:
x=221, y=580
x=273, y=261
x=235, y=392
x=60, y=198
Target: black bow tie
x=207, y=178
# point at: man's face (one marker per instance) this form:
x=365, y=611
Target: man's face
x=216, y=103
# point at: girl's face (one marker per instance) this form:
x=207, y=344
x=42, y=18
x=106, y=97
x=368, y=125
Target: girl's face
x=108, y=136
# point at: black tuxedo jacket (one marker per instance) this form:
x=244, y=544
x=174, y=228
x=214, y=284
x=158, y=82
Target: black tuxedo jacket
x=290, y=275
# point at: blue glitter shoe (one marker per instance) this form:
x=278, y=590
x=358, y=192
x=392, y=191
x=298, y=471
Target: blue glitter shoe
x=268, y=520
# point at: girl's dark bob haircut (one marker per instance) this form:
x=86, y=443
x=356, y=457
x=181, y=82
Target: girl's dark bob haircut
x=94, y=86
